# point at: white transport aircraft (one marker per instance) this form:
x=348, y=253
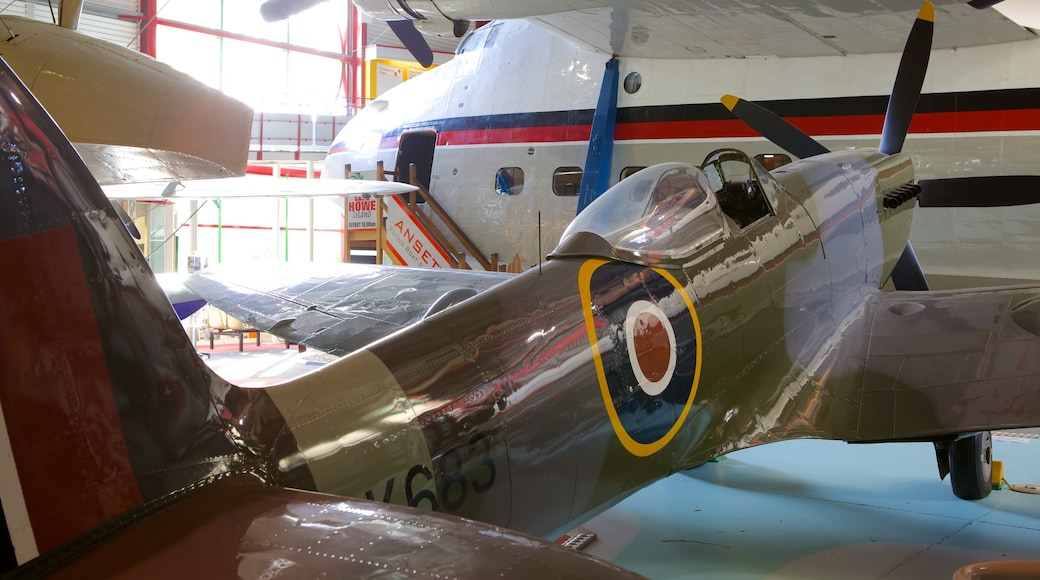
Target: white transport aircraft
x=501, y=133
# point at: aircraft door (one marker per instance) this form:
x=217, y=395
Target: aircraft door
x=416, y=147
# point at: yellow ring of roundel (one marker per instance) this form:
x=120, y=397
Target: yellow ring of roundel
x=585, y=291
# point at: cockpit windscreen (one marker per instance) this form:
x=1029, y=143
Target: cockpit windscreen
x=663, y=212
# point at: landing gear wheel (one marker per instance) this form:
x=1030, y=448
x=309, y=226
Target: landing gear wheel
x=971, y=465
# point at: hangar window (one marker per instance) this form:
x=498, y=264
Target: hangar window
x=630, y=170
x=509, y=181
x=567, y=181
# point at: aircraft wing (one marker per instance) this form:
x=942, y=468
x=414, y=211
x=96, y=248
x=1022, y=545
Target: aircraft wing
x=685, y=30
x=336, y=308
x=254, y=186
x=237, y=527
x=702, y=29
x=939, y=363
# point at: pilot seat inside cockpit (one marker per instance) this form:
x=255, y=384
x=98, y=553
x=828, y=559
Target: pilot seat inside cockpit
x=731, y=176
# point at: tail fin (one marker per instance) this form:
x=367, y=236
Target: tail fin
x=105, y=404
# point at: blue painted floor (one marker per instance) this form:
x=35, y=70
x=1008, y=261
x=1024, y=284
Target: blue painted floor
x=822, y=509
x=798, y=509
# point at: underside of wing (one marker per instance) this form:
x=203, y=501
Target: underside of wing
x=337, y=308
x=252, y=186
x=113, y=165
x=944, y=363
x=238, y=528
x=684, y=30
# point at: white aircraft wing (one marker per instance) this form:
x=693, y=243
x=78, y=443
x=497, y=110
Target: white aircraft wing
x=772, y=28
x=254, y=186
x=685, y=29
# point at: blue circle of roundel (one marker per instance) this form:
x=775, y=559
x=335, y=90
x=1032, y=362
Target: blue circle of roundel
x=614, y=287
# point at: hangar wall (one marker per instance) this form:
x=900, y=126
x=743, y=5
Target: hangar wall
x=100, y=19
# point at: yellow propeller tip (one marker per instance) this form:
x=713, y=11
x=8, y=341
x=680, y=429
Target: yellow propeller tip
x=730, y=101
x=927, y=12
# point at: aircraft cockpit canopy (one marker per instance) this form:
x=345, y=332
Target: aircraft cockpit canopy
x=658, y=216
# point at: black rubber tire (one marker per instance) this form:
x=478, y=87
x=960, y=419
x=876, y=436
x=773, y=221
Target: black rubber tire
x=971, y=465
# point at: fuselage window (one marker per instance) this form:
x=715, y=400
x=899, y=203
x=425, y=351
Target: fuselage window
x=509, y=181
x=471, y=41
x=630, y=170
x=567, y=181
x=772, y=160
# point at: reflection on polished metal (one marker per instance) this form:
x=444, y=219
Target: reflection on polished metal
x=536, y=402
x=122, y=454
x=529, y=404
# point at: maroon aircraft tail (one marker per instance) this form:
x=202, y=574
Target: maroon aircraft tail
x=105, y=404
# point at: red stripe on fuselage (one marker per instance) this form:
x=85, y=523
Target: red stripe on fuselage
x=823, y=126
x=61, y=416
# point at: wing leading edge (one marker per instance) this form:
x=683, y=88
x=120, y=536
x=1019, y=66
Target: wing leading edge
x=337, y=308
x=943, y=363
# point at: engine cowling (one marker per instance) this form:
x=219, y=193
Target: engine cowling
x=441, y=16
x=424, y=13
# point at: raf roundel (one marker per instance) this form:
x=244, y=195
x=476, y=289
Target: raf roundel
x=651, y=346
x=646, y=347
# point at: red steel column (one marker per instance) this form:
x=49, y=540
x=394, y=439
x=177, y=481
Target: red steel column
x=359, y=37
x=148, y=14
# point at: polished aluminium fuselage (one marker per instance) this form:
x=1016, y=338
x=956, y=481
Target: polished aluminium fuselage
x=518, y=407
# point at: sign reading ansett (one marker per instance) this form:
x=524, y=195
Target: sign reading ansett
x=408, y=241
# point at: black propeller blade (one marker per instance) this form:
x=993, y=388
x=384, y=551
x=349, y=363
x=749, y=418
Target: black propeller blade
x=410, y=37
x=907, y=273
x=413, y=40
x=773, y=127
x=906, y=91
x=909, y=80
x=994, y=191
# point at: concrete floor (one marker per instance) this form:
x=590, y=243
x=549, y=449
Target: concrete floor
x=797, y=509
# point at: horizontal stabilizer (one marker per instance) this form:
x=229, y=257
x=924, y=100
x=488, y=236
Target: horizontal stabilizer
x=239, y=527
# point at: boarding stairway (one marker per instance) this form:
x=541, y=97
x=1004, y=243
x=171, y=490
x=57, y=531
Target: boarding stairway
x=421, y=207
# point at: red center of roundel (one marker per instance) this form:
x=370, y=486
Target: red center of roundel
x=653, y=349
